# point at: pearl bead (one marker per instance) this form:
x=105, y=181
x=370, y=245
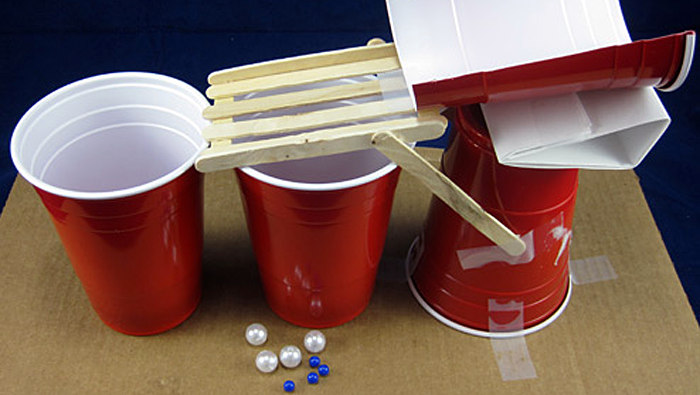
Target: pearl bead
x=290, y=356
x=289, y=386
x=312, y=378
x=266, y=361
x=323, y=370
x=256, y=334
x=315, y=341
x=314, y=361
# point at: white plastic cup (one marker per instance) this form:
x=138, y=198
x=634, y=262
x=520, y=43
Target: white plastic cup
x=97, y=138
x=111, y=158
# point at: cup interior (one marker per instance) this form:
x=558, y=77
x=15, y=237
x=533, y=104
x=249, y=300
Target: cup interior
x=327, y=169
x=110, y=136
x=329, y=172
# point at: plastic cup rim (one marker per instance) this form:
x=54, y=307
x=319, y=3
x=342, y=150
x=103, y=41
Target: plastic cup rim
x=479, y=332
x=47, y=101
x=325, y=186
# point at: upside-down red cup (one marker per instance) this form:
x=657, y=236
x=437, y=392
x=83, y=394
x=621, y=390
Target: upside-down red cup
x=318, y=228
x=111, y=158
x=465, y=280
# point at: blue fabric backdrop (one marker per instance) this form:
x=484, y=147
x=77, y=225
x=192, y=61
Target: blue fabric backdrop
x=47, y=44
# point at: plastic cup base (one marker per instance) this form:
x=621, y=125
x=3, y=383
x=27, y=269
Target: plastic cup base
x=165, y=328
x=473, y=331
x=317, y=325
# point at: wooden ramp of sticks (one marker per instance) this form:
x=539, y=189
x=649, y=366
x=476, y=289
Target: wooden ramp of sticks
x=329, y=103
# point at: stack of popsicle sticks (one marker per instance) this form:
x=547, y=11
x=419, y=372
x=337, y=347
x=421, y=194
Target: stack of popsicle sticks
x=248, y=127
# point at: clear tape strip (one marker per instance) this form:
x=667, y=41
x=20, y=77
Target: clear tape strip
x=513, y=359
x=591, y=270
x=512, y=355
x=506, y=315
x=551, y=234
x=395, y=92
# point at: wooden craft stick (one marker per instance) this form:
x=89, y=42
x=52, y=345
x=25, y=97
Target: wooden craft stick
x=296, y=99
x=222, y=142
x=280, y=66
x=404, y=156
x=306, y=76
x=309, y=120
x=324, y=142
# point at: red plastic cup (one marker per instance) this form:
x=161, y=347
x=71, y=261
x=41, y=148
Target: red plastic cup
x=318, y=228
x=111, y=158
x=464, y=279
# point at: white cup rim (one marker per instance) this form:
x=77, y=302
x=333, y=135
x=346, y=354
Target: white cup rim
x=46, y=102
x=325, y=186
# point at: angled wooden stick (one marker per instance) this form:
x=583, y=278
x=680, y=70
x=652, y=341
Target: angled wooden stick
x=404, y=156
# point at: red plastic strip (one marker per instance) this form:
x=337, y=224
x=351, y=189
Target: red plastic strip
x=653, y=62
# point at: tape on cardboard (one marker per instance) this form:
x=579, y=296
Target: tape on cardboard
x=512, y=354
x=513, y=359
x=591, y=270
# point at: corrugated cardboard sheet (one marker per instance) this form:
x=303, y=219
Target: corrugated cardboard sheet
x=634, y=334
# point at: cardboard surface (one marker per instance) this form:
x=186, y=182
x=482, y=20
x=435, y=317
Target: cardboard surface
x=634, y=334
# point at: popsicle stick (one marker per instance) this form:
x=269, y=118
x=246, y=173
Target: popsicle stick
x=223, y=141
x=309, y=120
x=300, y=77
x=323, y=142
x=330, y=58
x=295, y=99
x=403, y=155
